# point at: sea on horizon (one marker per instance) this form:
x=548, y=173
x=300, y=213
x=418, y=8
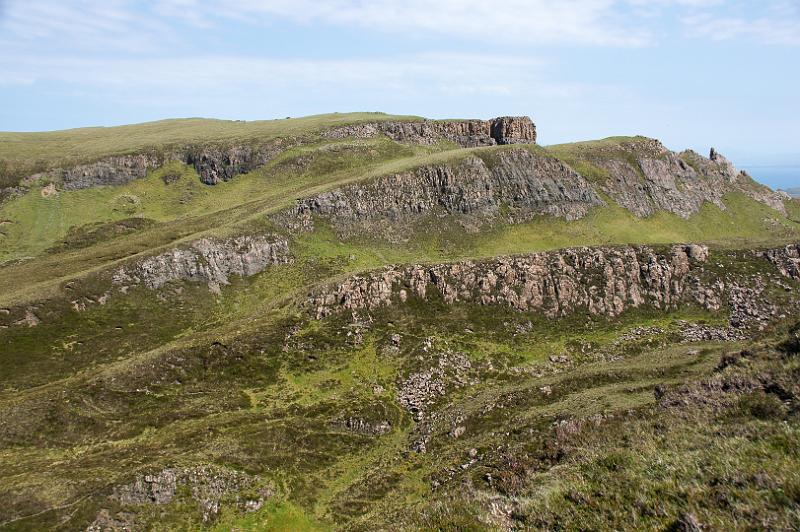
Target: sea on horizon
x=776, y=177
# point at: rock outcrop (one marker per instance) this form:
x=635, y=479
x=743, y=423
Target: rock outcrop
x=465, y=133
x=601, y=281
x=513, y=130
x=110, y=171
x=216, y=162
x=520, y=183
x=785, y=259
x=645, y=177
x=207, y=260
x=208, y=486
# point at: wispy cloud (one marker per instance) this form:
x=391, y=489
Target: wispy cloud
x=151, y=27
x=475, y=73
x=777, y=23
x=594, y=22
x=124, y=24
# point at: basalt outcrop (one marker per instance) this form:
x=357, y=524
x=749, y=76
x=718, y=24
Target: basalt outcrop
x=646, y=177
x=208, y=260
x=111, y=171
x=465, y=133
x=517, y=182
x=601, y=281
x=215, y=162
x=785, y=259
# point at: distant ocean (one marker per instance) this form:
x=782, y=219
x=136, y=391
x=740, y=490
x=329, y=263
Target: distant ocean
x=783, y=177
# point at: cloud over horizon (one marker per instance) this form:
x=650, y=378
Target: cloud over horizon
x=685, y=70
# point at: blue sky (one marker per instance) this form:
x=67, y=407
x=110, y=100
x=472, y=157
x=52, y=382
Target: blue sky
x=693, y=73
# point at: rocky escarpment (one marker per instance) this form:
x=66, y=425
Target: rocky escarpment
x=601, y=281
x=215, y=162
x=785, y=259
x=207, y=260
x=646, y=177
x=516, y=181
x=465, y=133
x=116, y=170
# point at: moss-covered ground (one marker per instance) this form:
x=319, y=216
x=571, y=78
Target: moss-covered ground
x=583, y=422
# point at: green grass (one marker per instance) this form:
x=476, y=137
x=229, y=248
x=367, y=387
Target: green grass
x=743, y=222
x=22, y=154
x=245, y=380
x=273, y=517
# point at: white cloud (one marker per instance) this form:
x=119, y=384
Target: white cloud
x=778, y=23
x=595, y=22
x=445, y=72
x=124, y=24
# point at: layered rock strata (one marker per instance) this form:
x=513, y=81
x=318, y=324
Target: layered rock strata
x=207, y=260
x=601, y=281
x=221, y=162
x=645, y=177
x=517, y=182
x=465, y=133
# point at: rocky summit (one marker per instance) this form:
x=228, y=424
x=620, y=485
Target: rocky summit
x=375, y=322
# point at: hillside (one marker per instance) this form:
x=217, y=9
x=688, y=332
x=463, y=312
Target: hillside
x=366, y=322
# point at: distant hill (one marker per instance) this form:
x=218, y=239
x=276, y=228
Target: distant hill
x=794, y=192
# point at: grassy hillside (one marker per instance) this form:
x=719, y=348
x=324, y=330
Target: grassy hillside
x=22, y=154
x=573, y=421
x=68, y=234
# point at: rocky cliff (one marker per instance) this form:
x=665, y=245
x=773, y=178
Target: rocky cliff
x=465, y=133
x=217, y=162
x=207, y=260
x=645, y=177
x=601, y=281
x=525, y=183
x=111, y=171
x=785, y=259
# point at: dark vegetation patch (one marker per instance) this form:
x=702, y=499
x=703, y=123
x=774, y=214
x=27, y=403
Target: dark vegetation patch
x=87, y=235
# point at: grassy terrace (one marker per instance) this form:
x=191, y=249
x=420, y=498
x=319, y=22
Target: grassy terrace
x=96, y=142
x=581, y=422
x=73, y=233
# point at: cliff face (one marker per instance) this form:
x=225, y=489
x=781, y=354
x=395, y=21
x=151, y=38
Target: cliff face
x=785, y=259
x=207, y=260
x=111, y=171
x=604, y=281
x=527, y=184
x=645, y=177
x=466, y=133
x=216, y=162
x=642, y=175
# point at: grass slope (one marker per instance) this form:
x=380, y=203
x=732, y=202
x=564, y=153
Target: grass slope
x=577, y=423
x=26, y=153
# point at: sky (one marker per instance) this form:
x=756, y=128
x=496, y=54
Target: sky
x=692, y=73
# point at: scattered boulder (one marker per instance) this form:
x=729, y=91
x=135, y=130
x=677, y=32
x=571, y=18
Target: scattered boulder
x=207, y=484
